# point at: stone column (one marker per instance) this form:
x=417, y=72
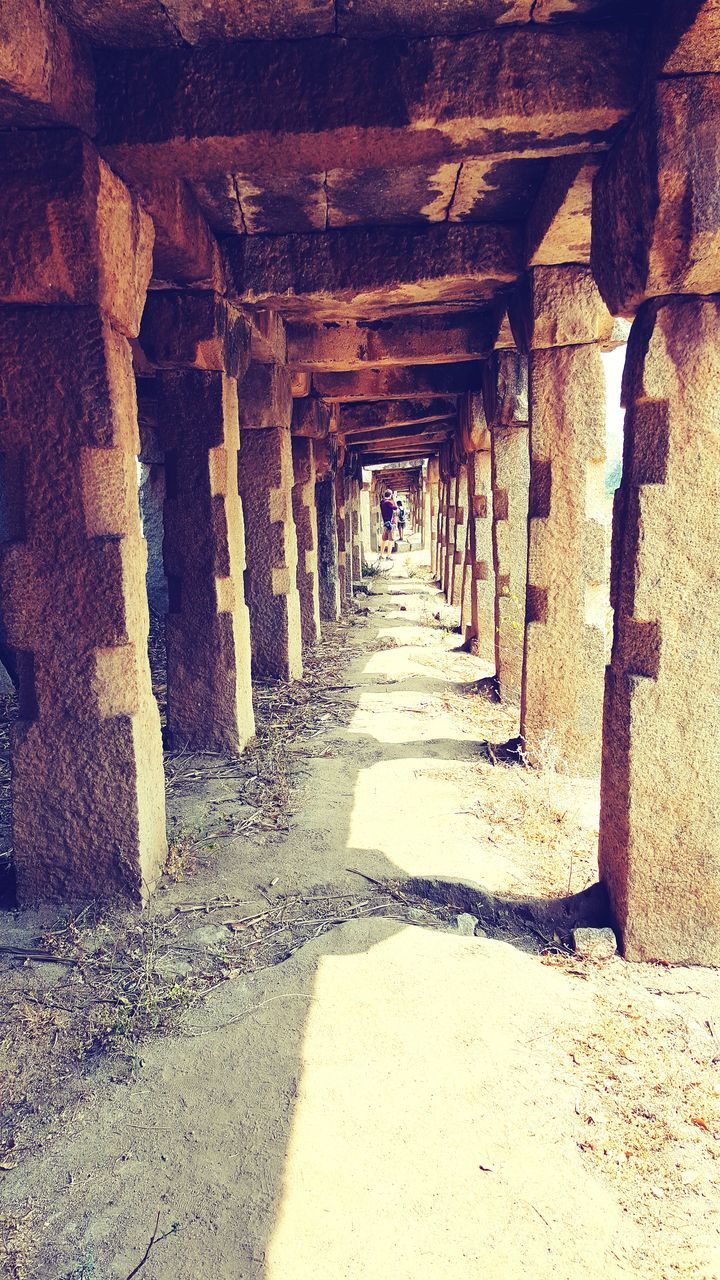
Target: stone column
x=87, y=768
x=510, y=471
x=660, y=806
x=356, y=544
x=209, y=693
x=306, y=527
x=478, y=572
x=330, y=607
x=344, y=551
x=440, y=532
x=561, y=708
x=449, y=537
x=430, y=536
x=367, y=524
x=265, y=480
x=458, y=550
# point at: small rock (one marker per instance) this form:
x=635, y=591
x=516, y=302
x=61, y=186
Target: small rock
x=595, y=944
x=208, y=935
x=467, y=924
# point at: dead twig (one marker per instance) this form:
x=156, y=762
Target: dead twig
x=154, y=1239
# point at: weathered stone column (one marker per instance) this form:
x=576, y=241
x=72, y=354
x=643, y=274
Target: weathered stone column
x=355, y=539
x=87, y=770
x=478, y=573
x=561, y=709
x=433, y=477
x=306, y=528
x=506, y=411
x=265, y=480
x=328, y=575
x=440, y=531
x=367, y=524
x=660, y=806
x=209, y=692
x=449, y=535
x=459, y=534
x=341, y=524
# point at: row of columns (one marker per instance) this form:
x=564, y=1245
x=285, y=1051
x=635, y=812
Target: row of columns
x=261, y=526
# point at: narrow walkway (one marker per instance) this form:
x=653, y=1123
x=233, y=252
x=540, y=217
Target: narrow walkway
x=396, y=1098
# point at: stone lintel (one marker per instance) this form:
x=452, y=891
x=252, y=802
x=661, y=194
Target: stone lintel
x=400, y=382
x=398, y=413
x=72, y=233
x=197, y=330
x=408, y=431
x=508, y=92
x=310, y=417
x=363, y=271
x=559, y=307
x=265, y=397
x=46, y=71
x=405, y=340
x=559, y=223
x=656, y=222
x=268, y=341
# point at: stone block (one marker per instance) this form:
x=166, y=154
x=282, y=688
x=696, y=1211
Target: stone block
x=400, y=383
x=186, y=251
x=405, y=340
x=559, y=223
x=265, y=398
x=197, y=330
x=595, y=944
x=687, y=37
x=311, y=418
x=660, y=803
x=656, y=215
x=329, y=577
x=46, y=71
x=505, y=389
x=478, y=617
x=72, y=233
x=559, y=307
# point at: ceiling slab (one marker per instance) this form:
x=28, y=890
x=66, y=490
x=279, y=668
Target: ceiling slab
x=400, y=382
x=407, y=340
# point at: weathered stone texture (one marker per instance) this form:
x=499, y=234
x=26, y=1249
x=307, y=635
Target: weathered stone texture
x=559, y=307
x=656, y=221
x=362, y=270
x=687, y=36
x=296, y=105
x=265, y=479
x=329, y=577
x=208, y=629
x=457, y=535
x=405, y=340
x=561, y=713
x=478, y=621
x=430, y=532
x=558, y=227
x=88, y=786
x=265, y=398
x=505, y=389
x=72, y=232
x=311, y=417
x=185, y=251
x=200, y=330
x=46, y=72
x=398, y=383
x=306, y=527
x=510, y=481
x=660, y=814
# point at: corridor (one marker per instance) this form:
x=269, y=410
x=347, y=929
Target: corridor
x=389, y=1064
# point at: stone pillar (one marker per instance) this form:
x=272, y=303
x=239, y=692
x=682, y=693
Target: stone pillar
x=440, y=532
x=459, y=535
x=356, y=542
x=87, y=769
x=344, y=554
x=433, y=472
x=478, y=574
x=306, y=527
x=660, y=800
x=561, y=708
x=265, y=480
x=367, y=524
x=449, y=537
x=510, y=472
x=328, y=574
x=209, y=692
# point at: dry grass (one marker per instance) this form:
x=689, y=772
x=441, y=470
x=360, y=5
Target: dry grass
x=16, y=1247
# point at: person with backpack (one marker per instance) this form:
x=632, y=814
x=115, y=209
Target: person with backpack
x=388, y=511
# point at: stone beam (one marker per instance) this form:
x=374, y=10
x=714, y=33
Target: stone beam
x=365, y=271
x=558, y=225
x=383, y=436
x=295, y=104
x=46, y=72
x=405, y=340
x=399, y=383
x=396, y=413
x=310, y=418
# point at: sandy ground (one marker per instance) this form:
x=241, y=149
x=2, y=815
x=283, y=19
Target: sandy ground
x=385, y=1097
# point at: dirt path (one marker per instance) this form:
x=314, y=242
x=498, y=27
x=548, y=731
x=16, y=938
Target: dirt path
x=351, y=1086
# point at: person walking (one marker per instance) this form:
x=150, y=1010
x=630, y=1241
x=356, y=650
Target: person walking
x=388, y=511
x=401, y=519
